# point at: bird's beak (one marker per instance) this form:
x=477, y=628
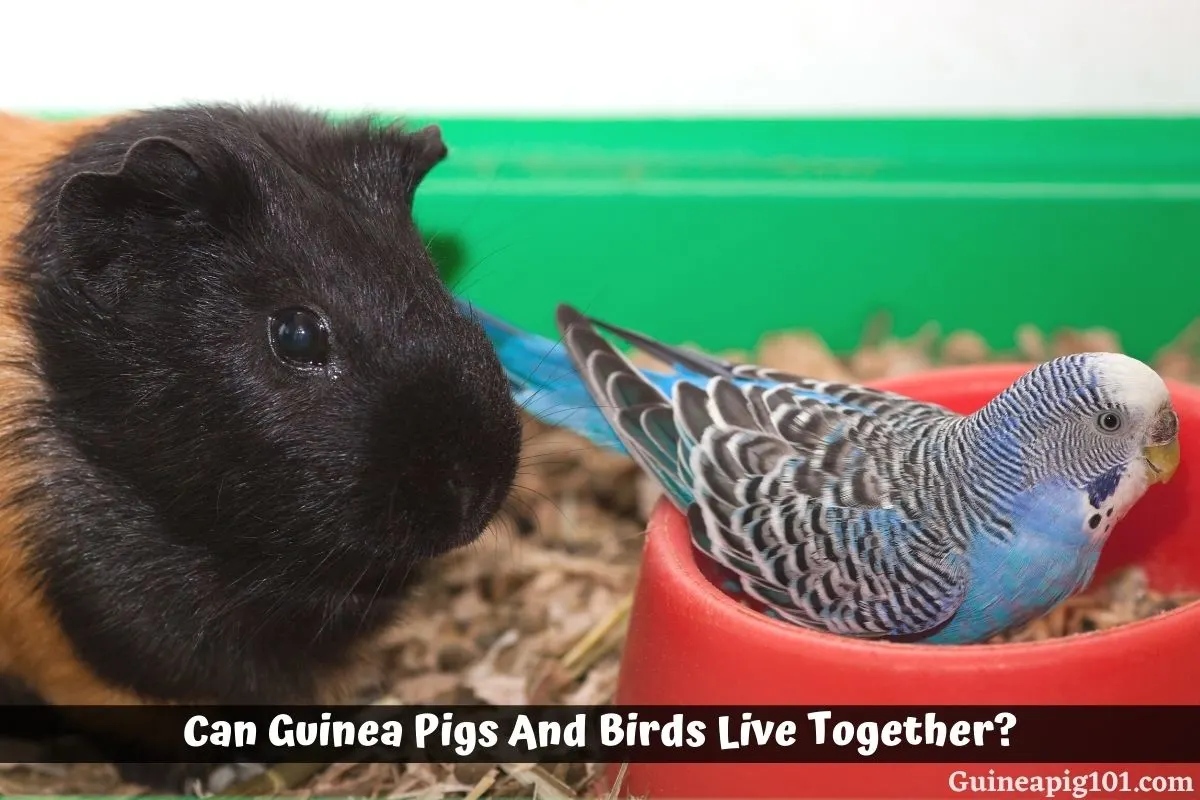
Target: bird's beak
x=1163, y=460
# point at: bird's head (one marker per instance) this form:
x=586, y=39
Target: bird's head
x=1101, y=422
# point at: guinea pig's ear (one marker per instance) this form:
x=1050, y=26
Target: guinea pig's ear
x=158, y=180
x=426, y=151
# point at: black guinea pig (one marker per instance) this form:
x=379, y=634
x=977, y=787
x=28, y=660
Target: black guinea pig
x=238, y=407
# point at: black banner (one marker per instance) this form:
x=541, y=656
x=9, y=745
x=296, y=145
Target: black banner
x=639, y=734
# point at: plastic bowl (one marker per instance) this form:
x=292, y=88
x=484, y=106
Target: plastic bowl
x=690, y=644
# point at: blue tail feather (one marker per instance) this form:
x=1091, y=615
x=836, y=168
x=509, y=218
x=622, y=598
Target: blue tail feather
x=544, y=381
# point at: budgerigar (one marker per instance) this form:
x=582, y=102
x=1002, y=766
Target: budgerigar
x=860, y=512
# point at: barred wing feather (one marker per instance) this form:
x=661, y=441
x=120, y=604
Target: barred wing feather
x=779, y=484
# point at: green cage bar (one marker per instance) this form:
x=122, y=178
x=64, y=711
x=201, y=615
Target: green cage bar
x=718, y=231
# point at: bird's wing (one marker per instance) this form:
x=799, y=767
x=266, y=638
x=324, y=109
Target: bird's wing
x=696, y=367
x=780, y=486
x=824, y=550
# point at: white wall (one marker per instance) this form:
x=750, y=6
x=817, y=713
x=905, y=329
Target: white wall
x=610, y=56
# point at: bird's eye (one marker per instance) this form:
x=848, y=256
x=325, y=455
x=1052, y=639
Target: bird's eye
x=1109, y=421
x=300, y=336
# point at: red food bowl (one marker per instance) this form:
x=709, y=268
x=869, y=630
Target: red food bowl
x=690, y=644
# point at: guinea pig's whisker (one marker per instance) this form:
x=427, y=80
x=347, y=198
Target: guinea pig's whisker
x=503, y=550
x=554, y=444
x=547, y=498
x=508, y=516
x=531, y=513
x=238, y=597
x=554, y=430
x=529, y=465
x=280, y=601
x=220, y=489
x=502, y=524
x=391, y=507
x=540, y=435
x=457, y=285
x=383, y=576
x=350, y=592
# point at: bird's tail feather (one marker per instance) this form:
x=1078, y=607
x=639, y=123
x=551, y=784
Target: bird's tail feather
x=680, y=358
x=637, y=409
x=543, y=379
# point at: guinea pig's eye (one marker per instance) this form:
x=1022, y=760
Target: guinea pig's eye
x=300, y=336
x=1109, y=421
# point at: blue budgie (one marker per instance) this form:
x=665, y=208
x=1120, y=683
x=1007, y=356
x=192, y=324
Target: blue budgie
x=860, y=512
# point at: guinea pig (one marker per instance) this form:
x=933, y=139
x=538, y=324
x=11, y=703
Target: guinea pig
x=239, y=409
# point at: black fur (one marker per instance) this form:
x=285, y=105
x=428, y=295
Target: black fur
x=216, y=524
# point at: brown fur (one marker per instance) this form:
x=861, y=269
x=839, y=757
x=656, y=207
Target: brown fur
x=32, y=646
